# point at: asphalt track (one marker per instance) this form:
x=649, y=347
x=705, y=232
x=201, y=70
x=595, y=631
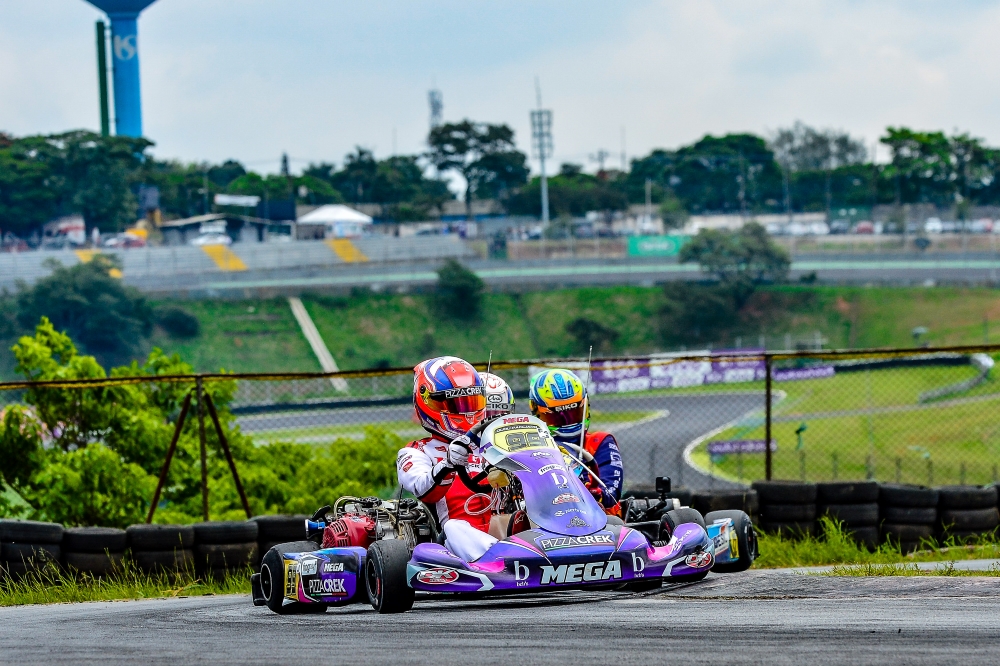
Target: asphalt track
x=650, y=447
x=752, y=618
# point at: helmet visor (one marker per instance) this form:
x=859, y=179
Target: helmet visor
x=467, y=400
x=563, y=415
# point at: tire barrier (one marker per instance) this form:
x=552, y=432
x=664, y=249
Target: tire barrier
x=967, y=511
x=747, y=501
x=162, y=548
x=97, y=551
x=855, y=505
x=224, y=546
x=908, y=514
x=787, y=507
x=28, y=545
x=205, y=549
x=873, y=513
x=282, y=528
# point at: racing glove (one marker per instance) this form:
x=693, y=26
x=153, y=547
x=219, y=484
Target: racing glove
x=441, y=469
x=458, y=451
x=594, y=488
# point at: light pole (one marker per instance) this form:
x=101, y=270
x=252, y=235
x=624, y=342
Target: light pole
x=541, y=141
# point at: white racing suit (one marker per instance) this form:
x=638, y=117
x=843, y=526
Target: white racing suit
x=463, y=514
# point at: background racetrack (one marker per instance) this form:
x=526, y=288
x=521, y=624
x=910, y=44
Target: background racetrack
x=651, y=446
x=757, y=617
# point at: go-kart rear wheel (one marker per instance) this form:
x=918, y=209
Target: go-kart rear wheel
x=272, y=579
x=671, y=519
x=385, y=576
x=746, y=539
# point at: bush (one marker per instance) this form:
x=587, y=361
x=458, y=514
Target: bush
x=177, y=322
x=111, y=321
x=588, y=333
x=459, y=292
x=696, y=313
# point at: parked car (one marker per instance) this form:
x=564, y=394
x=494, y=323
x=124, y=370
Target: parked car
x=865, y=227
x=123, y=241
x=840, y=226
x=211, y=239
x=981, y=226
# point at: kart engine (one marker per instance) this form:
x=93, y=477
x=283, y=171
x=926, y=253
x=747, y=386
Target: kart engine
x=361, y=521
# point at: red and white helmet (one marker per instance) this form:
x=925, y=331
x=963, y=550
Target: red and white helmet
x=499, y=397
x=448, y=396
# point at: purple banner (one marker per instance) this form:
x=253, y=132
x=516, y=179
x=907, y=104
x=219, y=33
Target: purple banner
x=644, y=374
x=729, y=366
x=794, y=374
x=739, y=446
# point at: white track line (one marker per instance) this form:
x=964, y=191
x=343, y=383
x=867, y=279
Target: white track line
x=780, y=395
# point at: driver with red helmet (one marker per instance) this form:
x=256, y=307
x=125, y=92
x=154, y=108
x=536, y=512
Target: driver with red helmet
x=449, y=399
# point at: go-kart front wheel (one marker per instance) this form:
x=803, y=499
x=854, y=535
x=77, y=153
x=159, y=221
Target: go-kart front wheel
x=746, y=539
x=385, y=576
x=272, y=579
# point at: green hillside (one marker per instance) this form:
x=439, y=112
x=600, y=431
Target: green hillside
x=380, y=329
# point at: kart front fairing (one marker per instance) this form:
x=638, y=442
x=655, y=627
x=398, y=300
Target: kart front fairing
x=570, y=543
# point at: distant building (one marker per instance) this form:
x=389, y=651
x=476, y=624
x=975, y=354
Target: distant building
x=332, y=221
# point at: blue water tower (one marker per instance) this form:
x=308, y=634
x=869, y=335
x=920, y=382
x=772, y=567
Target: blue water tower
x=124, y=15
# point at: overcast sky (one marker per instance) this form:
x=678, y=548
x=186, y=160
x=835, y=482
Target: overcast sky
x=249, y=79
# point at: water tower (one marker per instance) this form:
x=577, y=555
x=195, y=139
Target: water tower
x=124, y=15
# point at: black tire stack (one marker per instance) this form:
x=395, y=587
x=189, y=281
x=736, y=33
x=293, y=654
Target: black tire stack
x=97, y=551
x=708, y=501
x=787, y=507
x=281, y=528
x=967, y=511
x=855, y=505
x=27, y=545
x=162, y=548
x=908, y=514
x=225, y=547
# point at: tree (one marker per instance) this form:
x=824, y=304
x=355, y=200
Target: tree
x=696, y=313
x=111, y=320
x=740, y=260
x=356, y=180
x=459, y=292
x=801, y=148
x=572, y=193
x=90, y=455
x=73, y=172
x=484, y=154
x=735, y=173
x=588, y=334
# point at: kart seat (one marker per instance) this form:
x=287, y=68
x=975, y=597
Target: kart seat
x=508, y=524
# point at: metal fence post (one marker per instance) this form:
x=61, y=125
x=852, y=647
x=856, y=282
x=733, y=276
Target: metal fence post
x=170, y=455
x=204, y=450
x=767, y=417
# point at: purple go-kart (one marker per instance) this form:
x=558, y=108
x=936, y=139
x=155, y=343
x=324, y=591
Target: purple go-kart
x=568, y=542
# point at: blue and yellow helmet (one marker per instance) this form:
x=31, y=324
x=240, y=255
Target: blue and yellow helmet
x=559, y=398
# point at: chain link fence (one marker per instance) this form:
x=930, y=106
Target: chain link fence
x=930, y=417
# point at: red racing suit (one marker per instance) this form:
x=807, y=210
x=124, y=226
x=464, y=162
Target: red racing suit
x=456, y=506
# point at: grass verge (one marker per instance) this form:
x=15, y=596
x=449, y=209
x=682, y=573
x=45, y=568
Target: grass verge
x=836, y=547
x=908, y=569
x=872, y=424
x=51, y=585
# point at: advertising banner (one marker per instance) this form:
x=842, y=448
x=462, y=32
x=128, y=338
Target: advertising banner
x=723, y=367
x=655, y=246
